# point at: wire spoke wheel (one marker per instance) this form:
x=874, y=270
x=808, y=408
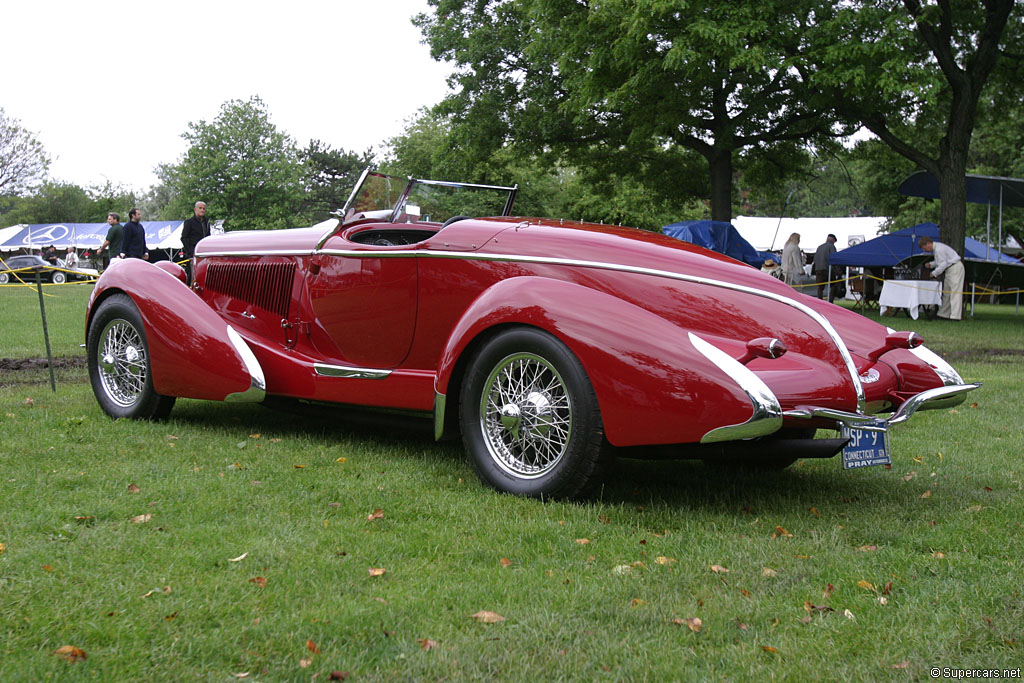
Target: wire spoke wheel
x=122, y=362
x=530, y=419
x=526, y=415
x=120, y=367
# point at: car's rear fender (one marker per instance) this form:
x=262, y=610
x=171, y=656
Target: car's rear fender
x=653, y=385
x=193, y=352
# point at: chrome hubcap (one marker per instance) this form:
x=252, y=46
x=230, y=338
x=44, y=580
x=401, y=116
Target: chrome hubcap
x=526, y=415
x=122, y=362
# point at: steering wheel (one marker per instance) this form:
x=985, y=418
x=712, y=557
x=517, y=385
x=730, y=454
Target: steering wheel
x=454, y=219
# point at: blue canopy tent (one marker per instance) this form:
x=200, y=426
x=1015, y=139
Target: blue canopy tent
x=982, y=263
x=721, y=237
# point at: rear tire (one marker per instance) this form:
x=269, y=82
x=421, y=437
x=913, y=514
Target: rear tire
x=530, y=419
x=5, y=278
x=58, y=278
x=119, y=367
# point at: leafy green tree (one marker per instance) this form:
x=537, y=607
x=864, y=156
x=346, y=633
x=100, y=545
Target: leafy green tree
x=247, y=171
x=913, y=73
x=23, y=161
x=328, y=178
x=629, y=86
x=58, y=202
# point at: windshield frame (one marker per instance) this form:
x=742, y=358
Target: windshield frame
x=410, y=183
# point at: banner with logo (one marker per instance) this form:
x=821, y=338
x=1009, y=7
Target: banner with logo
x=159, y=234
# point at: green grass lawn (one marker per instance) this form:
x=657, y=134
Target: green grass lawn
x=232, y=539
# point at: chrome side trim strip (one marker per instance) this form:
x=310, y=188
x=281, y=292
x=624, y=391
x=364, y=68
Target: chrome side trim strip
x=515, y=258
x=265, y=252
x=257, y=390
x=767, y=417
x=346, y=372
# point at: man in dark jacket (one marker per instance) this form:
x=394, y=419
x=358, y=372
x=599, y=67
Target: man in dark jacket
x=196, y=228
x=133, y=240
x=821, y=267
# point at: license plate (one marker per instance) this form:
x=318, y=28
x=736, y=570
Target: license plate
x=866, y=447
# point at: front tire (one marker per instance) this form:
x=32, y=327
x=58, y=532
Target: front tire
x=58, y=278
x=4, y=278
x=530, y=419
x=119, y=367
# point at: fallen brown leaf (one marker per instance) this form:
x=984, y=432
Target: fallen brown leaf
x=47, y=568
x=239, y=558
x=3, y=547
x=311, y=646
x=583, y=541
x=927, y=494
x=768, y=648
x=427, y=643
x=505, y=562
x=142, y=519
x=781, y=533
x=487, y=617
x=902, y=665
x=338, y=675
x=719, y=569
x=70, y=653
x=692, y=623
x=304, y=663
x=259, y=581
x=866, y=585
x=377, y=571
x=664, y=560
x=169, y=617
x=867, y=548
x=132, y=488
x=376, y=514
x=769, y=572
x=300, y=467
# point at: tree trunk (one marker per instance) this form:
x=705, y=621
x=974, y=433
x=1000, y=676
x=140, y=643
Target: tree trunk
x=720, y=165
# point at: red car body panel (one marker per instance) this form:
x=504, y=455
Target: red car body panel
x=191, y=353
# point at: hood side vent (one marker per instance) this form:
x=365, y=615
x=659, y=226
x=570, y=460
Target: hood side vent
x=267, y=285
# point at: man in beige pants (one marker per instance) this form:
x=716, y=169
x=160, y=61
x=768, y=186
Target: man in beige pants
x=950, y=268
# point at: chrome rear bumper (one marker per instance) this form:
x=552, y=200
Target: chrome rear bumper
x=932, y=399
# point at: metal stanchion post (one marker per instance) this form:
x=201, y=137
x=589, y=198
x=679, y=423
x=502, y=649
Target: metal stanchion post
x=46, y=332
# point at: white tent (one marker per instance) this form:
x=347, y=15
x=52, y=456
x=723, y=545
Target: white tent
x=770, y=234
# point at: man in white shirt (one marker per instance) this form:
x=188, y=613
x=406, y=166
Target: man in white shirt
x=950, y=268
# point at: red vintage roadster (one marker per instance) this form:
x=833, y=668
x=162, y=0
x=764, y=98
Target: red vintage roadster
x=549, y=345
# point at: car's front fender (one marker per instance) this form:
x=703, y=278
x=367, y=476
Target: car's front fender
x=193, y=352
x=653, y=385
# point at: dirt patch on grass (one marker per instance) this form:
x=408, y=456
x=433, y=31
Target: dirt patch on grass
x=16, y=372
x=12, y=364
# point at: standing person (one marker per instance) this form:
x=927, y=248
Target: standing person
x=196, y=228
x=821, y=269
x=113, y=239
x=133, y=242
x=792, y=260
x=947, y=264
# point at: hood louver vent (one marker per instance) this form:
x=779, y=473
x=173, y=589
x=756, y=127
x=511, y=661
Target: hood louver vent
x=267, y=285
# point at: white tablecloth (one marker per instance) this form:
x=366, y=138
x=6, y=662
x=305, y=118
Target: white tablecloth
x=909, y=294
